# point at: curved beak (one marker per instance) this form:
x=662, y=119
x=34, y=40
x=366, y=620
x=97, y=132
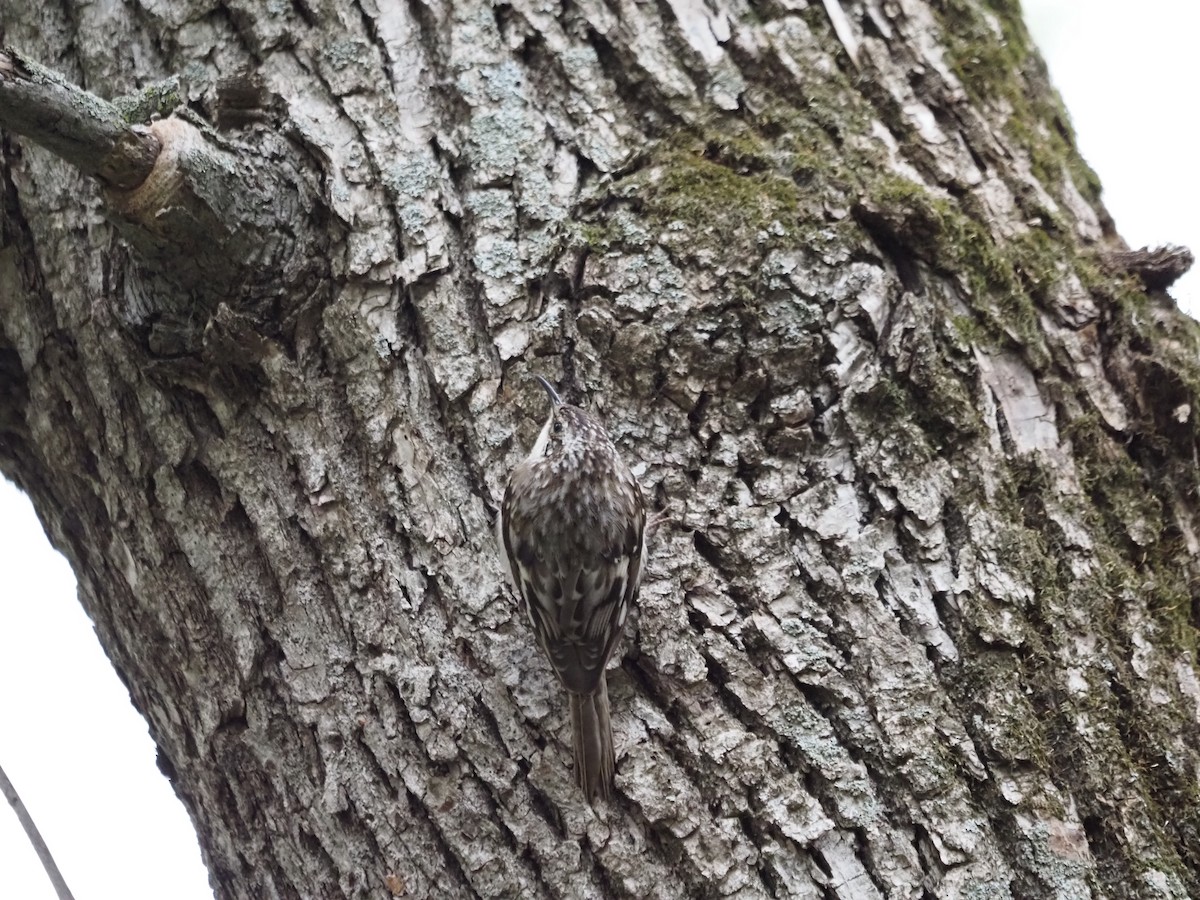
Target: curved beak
x=554, y=398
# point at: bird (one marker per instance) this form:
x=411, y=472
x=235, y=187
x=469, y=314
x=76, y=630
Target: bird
x=572, y=534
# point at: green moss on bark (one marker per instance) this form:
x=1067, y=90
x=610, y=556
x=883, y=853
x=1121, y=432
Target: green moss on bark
x=992, y=53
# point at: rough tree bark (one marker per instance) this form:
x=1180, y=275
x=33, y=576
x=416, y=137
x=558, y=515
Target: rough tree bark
x=920, y=621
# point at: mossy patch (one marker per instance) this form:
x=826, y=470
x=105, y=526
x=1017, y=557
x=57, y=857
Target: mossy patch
x=998, y=277
x=719, y=203
x=159, y=98
x=992, y=53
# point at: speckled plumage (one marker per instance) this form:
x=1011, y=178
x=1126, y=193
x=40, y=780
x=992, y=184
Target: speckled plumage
x=572, y=533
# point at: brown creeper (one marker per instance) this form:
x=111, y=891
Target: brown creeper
x=573, y=534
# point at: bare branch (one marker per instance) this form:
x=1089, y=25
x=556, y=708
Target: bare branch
x=1157, y=269
x=86, y=131
x=35, y=837
x=217, y=221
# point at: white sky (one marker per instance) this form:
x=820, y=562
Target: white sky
x=74, y=747
x=82, y=758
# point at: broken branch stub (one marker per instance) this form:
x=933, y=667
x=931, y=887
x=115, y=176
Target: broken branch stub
x=209, y=221
x=77, y=126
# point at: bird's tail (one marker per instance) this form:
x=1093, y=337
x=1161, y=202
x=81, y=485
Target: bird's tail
x=595, y=759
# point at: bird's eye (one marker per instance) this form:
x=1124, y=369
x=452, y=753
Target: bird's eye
x=557, y=426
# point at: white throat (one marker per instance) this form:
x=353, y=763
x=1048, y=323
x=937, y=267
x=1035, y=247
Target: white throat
x=539, y=446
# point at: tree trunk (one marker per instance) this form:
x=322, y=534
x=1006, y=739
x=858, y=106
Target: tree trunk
x=919, y=615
